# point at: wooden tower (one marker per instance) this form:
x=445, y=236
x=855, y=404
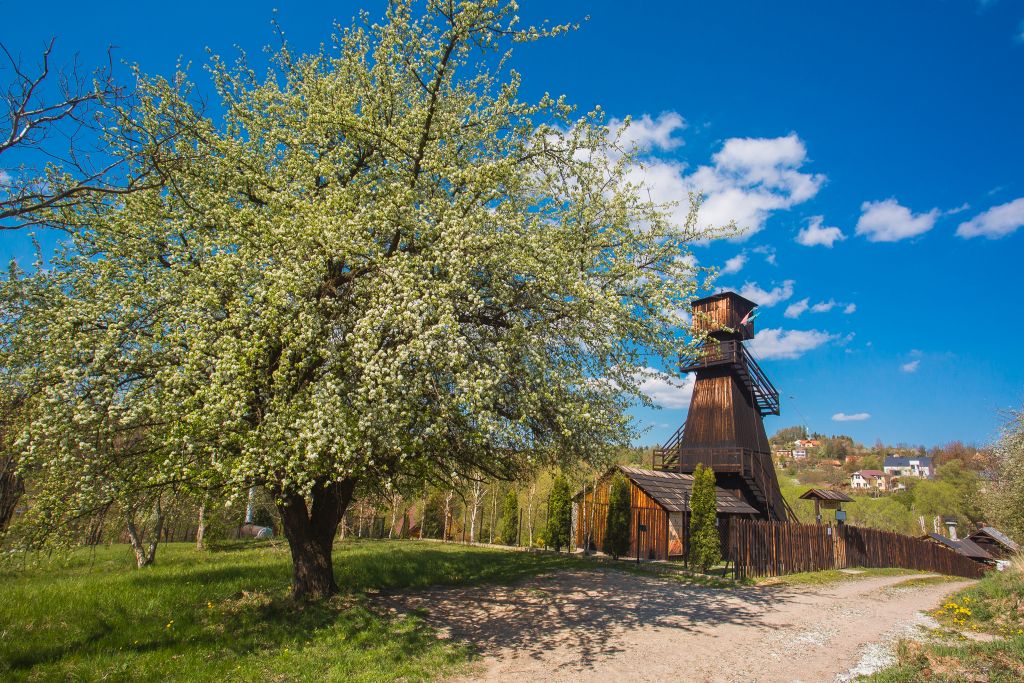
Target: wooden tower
x=724, y=428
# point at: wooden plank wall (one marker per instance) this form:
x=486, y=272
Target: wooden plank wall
x=773, y=549
x=592, y=516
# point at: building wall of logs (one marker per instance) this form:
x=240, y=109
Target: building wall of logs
x=592, y=516
x=759, y=548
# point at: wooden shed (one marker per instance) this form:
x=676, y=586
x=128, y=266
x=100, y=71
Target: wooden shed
x=994, y=542
x=660, y=503
x=964, y=546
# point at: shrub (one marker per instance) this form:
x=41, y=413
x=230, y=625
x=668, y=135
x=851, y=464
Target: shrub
x=559, y=514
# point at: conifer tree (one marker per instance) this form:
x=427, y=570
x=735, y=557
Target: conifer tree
x=705, y=545
x=616, y=535
x=559, y=514
x=508, y=532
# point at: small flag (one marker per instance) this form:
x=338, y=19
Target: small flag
x=748, y=317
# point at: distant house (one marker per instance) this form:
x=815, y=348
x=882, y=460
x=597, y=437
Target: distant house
x=867, y=480
x=807, y=443
x=799, y=453
x=995, y=542
x=901, y=466
x=783, y=454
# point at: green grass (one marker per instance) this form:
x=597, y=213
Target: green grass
x=994, y=605
x=225, y=614
x=999, y=661
x=833, y=575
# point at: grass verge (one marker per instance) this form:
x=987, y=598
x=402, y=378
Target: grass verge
x=994, y=607
x=833, y=575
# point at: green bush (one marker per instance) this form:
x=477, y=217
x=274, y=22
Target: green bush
x=616, y=534
x=559, y=514
x=705, y=544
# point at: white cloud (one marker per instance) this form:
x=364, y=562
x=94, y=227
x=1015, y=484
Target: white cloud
x=5, y=178
x=850, y=308
x=889, y=221
x=817, y=234
x=797, y=308
x=824, y=306
x=768, y=252
x=747, y=179
x=759, y=296
x=999, y=221
x=647, y=134
x=667, y=391
x=751, y=177
x=911, y=366
x=855, y=417
x=735, y=264
x=774, y=343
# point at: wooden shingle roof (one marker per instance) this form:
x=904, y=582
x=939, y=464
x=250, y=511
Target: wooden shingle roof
x=826, y=494
x=673, y=491
x=997, y=536
x=963, y=546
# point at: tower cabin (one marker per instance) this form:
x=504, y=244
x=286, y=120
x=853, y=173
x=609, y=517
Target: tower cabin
x=724, y=429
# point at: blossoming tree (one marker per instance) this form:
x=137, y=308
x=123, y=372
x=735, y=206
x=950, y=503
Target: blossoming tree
x=381, y=263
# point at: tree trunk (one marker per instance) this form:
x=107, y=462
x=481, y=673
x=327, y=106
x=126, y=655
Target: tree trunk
x=12, y=486
x=529, y=515
x=310, y=532
x=423, y=515
x=447, y=513
x=478, y=492
x=145, y=556
x=494, y=510
x=201, y=529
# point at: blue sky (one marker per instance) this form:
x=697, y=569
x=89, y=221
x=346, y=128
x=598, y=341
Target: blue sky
x=892, y=131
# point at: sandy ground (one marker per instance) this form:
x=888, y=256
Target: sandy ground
x=613, y=626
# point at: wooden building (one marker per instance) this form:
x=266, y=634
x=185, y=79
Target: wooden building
x=724, y=428
x=995, y=542
x=660, y=503
x=964, y=547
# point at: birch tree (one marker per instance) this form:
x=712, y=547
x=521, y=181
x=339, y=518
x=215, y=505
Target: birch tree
x=380, y=261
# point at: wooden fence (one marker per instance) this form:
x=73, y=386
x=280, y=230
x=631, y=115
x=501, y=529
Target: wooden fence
x=773, y=549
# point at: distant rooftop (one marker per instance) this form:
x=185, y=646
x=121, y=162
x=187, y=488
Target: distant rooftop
x=904, y=461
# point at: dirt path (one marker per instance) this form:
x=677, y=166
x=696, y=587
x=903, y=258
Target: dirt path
x=613, y=626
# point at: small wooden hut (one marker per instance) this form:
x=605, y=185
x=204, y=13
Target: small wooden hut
x=825, y=498
x=995, y=542
x=964, y=546
x=660, y=503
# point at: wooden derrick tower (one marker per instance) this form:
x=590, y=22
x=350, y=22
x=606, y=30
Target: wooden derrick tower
x=724, y=428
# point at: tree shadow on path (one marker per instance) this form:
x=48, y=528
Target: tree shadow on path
x=584, y=612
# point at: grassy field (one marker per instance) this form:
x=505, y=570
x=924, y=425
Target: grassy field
x=225, y=615
x=993, y=606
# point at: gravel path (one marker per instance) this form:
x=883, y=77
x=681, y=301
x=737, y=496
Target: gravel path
x=613, y=626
